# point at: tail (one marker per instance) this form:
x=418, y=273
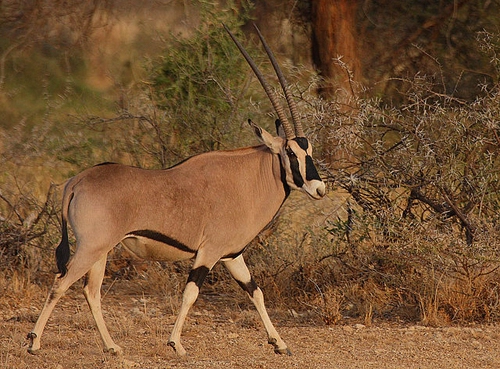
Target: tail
x=63, y=251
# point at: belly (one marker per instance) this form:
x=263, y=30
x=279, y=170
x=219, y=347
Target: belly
x=152, y=245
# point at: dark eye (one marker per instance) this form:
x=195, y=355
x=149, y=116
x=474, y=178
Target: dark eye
x=290, y=153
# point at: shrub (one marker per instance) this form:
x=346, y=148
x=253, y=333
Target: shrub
x=422, y=217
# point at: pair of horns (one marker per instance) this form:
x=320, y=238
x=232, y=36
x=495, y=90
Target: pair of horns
x=289, y=132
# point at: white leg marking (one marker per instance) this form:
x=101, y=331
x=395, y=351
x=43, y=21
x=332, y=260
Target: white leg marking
x=240, y=272
x=188, y=298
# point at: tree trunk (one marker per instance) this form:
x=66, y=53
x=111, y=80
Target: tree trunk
x=333, y=37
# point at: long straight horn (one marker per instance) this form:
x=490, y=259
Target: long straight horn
x=270, y=93
x=299, y=132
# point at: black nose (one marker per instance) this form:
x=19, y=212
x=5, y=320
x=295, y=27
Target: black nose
x=321, y=191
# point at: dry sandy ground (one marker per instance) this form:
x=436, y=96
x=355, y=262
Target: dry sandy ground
x=222, y=335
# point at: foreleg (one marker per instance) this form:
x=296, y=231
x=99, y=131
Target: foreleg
x=241, y=274
x=191, y=291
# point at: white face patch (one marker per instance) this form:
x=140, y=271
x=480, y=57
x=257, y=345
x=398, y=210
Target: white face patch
x=301, y=172
x=296, y=157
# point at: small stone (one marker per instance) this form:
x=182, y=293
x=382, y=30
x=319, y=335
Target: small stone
x=347, y=329
x=129, y=364
x=477, y=345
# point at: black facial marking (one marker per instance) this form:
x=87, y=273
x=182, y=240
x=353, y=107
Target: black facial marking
x=311, y=172
x=286, y=187
x=249, y=287
x=160, y=237
x=198, y=275
x=302, y=142
x=294, y=166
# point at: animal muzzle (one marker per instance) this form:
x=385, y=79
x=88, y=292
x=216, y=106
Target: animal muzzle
x=316, y=189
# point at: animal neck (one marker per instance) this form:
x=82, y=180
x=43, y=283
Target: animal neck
x=276, y=181
x=269, y=181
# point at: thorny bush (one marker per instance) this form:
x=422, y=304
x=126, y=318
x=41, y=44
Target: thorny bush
x=26, y=225
x=422, y=215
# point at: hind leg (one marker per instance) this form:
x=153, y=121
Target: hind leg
x=77, y=268
x=241, y=274
x=92, y=292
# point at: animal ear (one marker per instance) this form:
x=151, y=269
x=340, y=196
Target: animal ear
x=279, y=129
x=273, y=143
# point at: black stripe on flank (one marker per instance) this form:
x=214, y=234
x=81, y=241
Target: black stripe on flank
x=160, y=237
x=234, y=255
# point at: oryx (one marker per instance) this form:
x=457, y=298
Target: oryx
x=208, y=208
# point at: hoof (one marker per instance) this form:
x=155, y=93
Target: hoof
x=33, y=351
x=279, y=350
x=31, y=337
x=283, y=351
x=116, y=351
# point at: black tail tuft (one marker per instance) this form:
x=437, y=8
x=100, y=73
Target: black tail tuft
x=62, y=251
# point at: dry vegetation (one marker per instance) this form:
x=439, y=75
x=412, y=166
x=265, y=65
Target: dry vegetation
x=402, y=253
x=220, y=333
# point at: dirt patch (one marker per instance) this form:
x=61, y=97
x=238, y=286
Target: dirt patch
x=220, y=334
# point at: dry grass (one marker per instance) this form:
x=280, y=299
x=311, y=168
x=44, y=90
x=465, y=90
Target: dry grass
x=219, y=336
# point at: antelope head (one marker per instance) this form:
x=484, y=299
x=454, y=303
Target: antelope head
x=293, y=148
